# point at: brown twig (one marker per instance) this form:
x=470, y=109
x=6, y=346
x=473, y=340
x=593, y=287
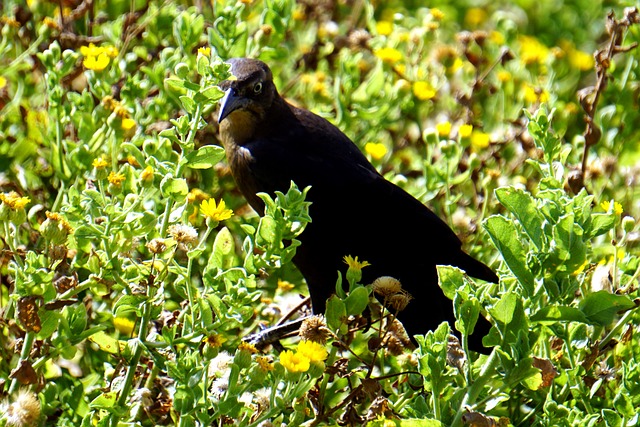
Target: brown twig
x=590, y=96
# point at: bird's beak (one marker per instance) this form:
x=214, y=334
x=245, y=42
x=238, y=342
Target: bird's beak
x=230, y=103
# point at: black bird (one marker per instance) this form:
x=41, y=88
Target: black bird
x=354, y=211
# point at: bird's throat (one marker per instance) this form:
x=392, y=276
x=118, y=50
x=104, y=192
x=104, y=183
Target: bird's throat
x=238, y=128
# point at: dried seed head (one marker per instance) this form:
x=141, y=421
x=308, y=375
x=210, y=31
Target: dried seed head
x=398, y=301
x=24, y=411
x=183, y=234
x=386, y=286
x=397, y=340
x=358, y=38
x=455, y=354
x=156, y=246
x=314, y=329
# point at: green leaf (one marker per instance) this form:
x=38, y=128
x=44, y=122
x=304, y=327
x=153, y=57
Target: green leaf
x=552, y=314
x=601, y=307
x=188, y=104
x=77, y=318
x=611, y=418
x=48, y=323
x=176, y=188
x=213, y=93
x=104, y=400
x=223, y=254
x=336, y=312
x=450, y=279
x=128, y=304
x=175, y=83
x=107, y=343
x=601, y=223
x=624, y=405
x=505, y=308
x=205, y=157
x=569, y=244
x=134, y=151
x=505, y=236
x=523, y=207
x=357, y=301
x=267, y=230
x=467, y=315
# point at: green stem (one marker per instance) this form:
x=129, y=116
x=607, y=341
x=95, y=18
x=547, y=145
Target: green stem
x=131, y=371
x=13, y=244
x=476, y=388
x=59, y=145
x=24, y=355
x=574, y=366
x=33, y=47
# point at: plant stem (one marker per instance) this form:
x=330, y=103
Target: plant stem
x=473, y=391
x=24, y=355
x=131, y=372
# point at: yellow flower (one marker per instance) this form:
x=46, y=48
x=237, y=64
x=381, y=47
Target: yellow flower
x=96, y=63
x=111, y=51
x=313, y=351
x=497, y=37
x=50, y=23
x=147, y=173
x=264, y=363
x=533, y=95
x=583, y=61
x=206, y=51
x=91, y=50
x=99, y=163
x=423, y=90
x=532, y=50
x=611, y=206
x=12, y=22
x=384, y=28
x=465, y=131
x=115, y=178
x=388, y=55
x=285, y=286
x=3, y=82
x=245, y=346
x=437, y=14
x=354, y=263
x=196, y=194
x=14, y=201
x=504, y=76
x=298, y=14
x=375, y=150
x=63, y=223
x=444, y=129
x=215, y=340
x=216, y=213
x=475, y=16
x=128, y=124
x=123, y=325
x=479, y=139
x=457, y=64
x=294, y=362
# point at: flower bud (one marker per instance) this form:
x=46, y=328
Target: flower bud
x=628, y=223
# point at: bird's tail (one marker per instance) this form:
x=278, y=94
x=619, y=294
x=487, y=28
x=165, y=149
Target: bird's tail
x=475, y=268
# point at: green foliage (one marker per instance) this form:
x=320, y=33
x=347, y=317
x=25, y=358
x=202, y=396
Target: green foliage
x=127, y=285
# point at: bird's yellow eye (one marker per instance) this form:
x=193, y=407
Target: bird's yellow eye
x=257, y=88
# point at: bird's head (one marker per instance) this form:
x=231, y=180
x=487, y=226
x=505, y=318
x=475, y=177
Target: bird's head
x=251, y=90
